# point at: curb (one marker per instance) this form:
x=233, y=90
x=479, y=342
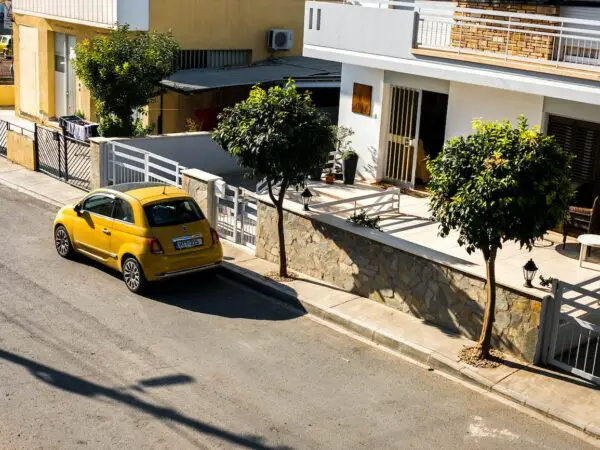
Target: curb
x=429, y=358
x=30, y=193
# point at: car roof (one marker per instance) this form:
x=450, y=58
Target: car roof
x=146, y=192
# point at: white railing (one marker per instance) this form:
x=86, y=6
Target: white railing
x=236, y=215
x=387, y=201
x=550, y=40
x=128, y=164
x=575, y=336
x=98, y=13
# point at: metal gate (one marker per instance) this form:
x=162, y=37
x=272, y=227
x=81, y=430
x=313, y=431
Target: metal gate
x=3, y=134
x=63, y=157
x=575, y=337
x=236, y=215
x=402, y=135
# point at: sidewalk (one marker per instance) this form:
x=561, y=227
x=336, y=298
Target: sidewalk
x=37, y=184
x=557, y=395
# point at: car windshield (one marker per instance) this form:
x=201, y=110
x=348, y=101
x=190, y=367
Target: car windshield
x=174, y=212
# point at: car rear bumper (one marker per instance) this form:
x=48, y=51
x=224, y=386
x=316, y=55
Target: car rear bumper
x=212, y=266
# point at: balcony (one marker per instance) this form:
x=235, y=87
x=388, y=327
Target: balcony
x=95, y=13
x=405, y=31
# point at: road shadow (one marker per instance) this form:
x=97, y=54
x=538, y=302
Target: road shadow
x=79, y=386
x=210, y=293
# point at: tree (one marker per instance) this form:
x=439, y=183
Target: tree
x=280, y=136
x=122, y=71
x=499, y=184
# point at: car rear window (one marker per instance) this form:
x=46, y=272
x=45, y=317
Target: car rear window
x=174, y=212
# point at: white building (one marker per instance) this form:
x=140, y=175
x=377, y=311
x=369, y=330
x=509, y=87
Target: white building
x=420, y=72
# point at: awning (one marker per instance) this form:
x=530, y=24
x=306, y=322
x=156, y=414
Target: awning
x=307, y=72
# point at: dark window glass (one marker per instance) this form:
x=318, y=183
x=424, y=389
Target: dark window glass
x=123, y=211
x=99, y=204
x=175, y=212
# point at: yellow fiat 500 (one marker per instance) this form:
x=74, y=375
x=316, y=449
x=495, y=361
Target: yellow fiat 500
x=146, y=231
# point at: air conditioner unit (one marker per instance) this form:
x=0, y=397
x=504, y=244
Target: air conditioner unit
x=279, y=39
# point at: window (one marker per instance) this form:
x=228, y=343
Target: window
x=361, y=99
x=583, y=140
x=123, y=211
x=175, y=212
x=99, y=204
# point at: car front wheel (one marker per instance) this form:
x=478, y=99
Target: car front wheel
x=62, y=242
x=133, y=275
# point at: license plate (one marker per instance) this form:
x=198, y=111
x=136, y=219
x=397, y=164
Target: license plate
x=185, y=243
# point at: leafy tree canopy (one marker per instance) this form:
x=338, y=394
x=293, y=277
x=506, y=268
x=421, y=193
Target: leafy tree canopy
x=501, y=183
x=122, y=71
x=277, y=134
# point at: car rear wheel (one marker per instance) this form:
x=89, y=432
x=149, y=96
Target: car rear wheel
x=62, y=242
x=133, y=276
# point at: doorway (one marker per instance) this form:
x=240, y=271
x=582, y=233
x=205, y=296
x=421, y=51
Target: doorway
x=402, y=135
x=65, y=83
x=432, y=132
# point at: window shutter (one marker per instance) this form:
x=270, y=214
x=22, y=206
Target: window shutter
x=582, y=139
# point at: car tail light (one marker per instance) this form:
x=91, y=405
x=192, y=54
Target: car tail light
x=155, y=247
x=214, y=235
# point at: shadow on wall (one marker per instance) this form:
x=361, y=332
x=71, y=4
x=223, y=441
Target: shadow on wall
x=368, y=169
x=407, y=282
x=431, y=292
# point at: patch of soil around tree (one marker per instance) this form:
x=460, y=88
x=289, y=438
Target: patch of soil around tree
x=275, y=277
x=470, y=356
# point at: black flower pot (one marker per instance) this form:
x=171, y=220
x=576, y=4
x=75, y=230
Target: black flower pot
x=316, y=174
x=349, y=166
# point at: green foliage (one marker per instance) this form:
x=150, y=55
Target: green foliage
x=501, y=183
x=362, y=220
x=546, y=282
x=122, y=71
x=342, y=135
x=276, y=134
x=79, y=113
x=349, y=155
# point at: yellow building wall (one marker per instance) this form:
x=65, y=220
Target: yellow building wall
x=7, y=95
x=229, y=24
x=46, y=29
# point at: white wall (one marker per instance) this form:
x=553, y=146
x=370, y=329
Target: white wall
x=192, y=150
x=367, y=129
x=573, y=110
x=467, y=102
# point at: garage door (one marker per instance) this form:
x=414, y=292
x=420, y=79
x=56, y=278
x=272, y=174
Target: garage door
x=28, y=70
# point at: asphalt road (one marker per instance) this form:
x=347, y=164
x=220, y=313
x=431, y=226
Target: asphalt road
x=207, y=364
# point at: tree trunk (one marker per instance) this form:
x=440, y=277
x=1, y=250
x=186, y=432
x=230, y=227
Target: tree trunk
x=282, y=254
x=484, y=343
x=278, y=202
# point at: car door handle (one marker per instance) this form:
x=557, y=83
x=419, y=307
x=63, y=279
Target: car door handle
x=106, y=231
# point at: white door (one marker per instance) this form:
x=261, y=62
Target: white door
x=28, y=71
x=60, y=75
x=65, y=82
x=71, y=78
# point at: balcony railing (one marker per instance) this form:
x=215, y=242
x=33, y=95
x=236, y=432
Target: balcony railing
x=557, y=41
x=97, y=13
x=527, y=41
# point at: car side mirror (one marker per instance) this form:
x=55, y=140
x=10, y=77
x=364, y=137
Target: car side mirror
x=77, y=209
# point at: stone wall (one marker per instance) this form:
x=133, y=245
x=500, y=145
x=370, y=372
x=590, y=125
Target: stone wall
x=520, y=44
x=409, y=283
x=20, y=149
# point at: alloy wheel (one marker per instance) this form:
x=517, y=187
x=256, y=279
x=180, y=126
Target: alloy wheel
x=61, y=240
x=131, y=274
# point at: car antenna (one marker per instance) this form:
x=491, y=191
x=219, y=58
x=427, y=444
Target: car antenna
x=164, y=187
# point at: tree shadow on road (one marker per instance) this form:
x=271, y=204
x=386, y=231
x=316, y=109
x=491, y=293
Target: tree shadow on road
x=79, y=386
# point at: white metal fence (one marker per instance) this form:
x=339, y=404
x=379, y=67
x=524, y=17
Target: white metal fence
x=128, y=164
x=575, y=337
x=236, y=215
x=378, y=203
x=551, y=40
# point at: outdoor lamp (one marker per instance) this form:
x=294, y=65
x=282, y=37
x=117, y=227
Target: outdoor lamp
x=306, y=196
x=529, y=271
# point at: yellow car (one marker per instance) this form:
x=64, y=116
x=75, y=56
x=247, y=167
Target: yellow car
x=146, y=231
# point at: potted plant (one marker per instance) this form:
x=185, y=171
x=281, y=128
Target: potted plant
x=316, y=174
x=349, y=163
x=329, y=177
